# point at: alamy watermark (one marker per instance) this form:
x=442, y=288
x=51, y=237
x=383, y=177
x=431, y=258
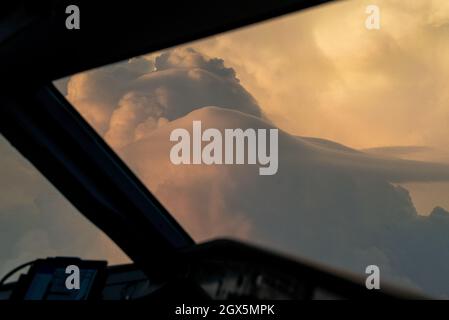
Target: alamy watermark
x=72, y=22
x=190, y=150
x=72, y=282
x=372, y=22
x=373, y=279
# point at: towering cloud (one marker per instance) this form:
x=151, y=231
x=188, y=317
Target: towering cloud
x=124, y=102
x=327, y=202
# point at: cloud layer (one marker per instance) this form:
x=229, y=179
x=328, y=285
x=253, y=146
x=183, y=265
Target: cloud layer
x=328, y=202
x=321, y=73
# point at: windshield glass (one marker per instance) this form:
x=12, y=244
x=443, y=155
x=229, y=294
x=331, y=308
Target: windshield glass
x=323, y=134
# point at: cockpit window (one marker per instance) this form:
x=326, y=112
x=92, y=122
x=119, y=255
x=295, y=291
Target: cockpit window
x=323, y=134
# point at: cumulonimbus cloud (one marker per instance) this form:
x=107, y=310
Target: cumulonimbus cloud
x=327, y=201
x=124, y=103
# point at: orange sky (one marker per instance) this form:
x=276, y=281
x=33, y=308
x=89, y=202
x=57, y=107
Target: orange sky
x=322, y=73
